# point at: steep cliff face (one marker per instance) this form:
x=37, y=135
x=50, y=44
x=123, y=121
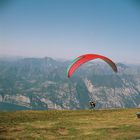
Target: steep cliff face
x=43, y=84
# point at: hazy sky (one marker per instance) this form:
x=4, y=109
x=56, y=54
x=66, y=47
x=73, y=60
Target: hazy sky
x=69, y=28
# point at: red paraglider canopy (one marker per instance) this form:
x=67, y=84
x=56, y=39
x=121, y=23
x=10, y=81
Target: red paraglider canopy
x=85, y=58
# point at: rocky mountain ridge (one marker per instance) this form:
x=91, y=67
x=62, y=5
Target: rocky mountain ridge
x=42, y=83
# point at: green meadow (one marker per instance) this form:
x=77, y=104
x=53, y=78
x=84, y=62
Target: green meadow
x=114, y=124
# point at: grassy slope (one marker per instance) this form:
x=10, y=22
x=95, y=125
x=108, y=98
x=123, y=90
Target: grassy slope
x=87, y=125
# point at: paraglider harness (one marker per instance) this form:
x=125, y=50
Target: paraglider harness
x=92, y=104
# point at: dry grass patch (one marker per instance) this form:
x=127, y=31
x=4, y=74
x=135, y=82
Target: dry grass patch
x=81, y=124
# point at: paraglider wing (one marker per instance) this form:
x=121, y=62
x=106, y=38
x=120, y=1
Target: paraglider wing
x=85, y=58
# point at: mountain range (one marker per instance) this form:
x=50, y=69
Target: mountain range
x=42, y=84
